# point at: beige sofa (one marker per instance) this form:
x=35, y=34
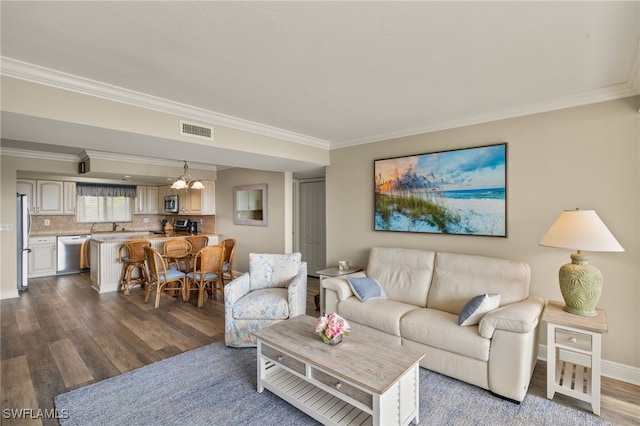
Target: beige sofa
x=426, y=291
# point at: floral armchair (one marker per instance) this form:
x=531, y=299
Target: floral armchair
x=274, y=289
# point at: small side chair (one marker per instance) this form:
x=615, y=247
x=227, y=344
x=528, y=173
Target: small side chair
x=274, y=289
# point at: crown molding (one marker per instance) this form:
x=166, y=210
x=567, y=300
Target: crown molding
x=14, y=68
x=610, y=93
x=29, y=72
x=110, y=156
x=39, y=155
x=107, y=156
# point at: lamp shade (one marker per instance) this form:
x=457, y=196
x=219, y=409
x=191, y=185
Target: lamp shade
x=580, y=230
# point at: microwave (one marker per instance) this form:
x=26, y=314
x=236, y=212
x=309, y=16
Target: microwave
x=171, y=204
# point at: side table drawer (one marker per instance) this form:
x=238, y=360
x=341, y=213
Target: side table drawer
x=573, y=339
x=283, y=359
x=342, y=387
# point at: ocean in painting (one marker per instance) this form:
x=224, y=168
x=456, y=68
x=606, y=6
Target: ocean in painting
x=481, y=212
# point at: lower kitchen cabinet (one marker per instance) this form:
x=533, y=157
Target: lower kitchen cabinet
x=42, y=258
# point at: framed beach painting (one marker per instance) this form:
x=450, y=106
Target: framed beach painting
x=461, y=192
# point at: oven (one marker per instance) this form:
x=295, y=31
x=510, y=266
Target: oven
x=171, y=204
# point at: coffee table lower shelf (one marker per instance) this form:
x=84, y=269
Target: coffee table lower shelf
x=312, y=400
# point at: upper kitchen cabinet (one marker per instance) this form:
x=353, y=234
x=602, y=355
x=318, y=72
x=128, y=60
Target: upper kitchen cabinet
x=70, y=198
x=147, y=201
x=197, y=201
x=45, y=197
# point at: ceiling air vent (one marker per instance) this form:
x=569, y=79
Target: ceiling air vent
x=190, y=129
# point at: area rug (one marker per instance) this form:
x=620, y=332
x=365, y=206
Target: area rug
x=216, y=385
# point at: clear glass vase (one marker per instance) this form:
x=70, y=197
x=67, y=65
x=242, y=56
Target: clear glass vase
x=334, y=341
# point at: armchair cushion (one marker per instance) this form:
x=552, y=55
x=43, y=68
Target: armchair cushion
x=268, y=303
x=273, y=270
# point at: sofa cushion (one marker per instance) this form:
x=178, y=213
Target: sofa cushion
x=475, y=308
x=405, y=274
x=381, y=314
x=365, y=288
x=265, y=304
x=440, y=330
x=273, y=270
x=459, y=277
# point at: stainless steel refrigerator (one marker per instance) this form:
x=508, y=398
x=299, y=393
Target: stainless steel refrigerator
x=23, y=229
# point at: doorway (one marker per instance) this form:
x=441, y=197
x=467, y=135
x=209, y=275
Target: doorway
x=312, y=220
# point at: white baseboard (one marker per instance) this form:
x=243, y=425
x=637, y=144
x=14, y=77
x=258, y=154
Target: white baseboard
x=614, y=370
x=10, y=294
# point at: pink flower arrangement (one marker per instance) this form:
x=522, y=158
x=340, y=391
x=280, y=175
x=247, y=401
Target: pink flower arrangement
x=331, y=326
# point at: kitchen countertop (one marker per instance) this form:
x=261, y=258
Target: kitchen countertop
x=120, y=235
x=109, y=237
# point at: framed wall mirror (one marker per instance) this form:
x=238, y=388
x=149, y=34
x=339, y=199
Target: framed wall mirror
x=250, y=205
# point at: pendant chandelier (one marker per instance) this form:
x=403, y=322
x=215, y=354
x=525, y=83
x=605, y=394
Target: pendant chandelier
x=186, y=181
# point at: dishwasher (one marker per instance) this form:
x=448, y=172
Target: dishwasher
x=73, y=254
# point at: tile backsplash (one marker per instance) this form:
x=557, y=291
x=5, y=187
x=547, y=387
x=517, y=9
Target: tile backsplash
x=67, y=225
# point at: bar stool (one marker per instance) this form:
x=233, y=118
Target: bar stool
x=131, y=255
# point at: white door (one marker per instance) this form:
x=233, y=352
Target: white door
x=313, y=225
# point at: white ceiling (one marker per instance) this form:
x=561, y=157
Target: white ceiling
x=336, y=74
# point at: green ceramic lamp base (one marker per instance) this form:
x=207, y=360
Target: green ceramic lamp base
x=581, y=286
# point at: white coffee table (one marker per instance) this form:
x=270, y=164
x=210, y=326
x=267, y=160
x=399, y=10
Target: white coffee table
x=355, y=382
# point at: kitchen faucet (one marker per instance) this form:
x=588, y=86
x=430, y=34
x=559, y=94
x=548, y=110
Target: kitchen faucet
x=115, y=226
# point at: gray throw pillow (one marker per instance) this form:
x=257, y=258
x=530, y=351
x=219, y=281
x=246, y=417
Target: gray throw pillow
x=366, y=288
x=475, y=308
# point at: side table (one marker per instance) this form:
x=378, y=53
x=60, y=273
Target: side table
x=333, y=272
x=570, y=339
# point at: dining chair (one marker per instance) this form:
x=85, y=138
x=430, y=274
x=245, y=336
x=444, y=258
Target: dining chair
x=207, y=273
x=162, y=278
x=177, y=252
x=131, y=255
x=198, y=242
x=227, y=266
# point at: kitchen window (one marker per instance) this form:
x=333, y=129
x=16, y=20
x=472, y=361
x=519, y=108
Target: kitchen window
x=105, y=203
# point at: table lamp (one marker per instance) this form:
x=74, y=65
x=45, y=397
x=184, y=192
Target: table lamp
x=580, y=283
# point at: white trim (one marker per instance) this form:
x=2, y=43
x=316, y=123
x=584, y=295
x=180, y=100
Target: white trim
x=29, y=72
x=10, y=294
x=600, y=95
x=40, y=155
x=101, y=155
x=36, y=74
x=614, y=370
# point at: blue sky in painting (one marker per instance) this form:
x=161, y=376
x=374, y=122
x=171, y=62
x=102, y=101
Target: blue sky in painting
x=474, y=168
x=468, y=168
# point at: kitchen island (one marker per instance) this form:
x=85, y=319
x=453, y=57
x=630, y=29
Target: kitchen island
x=105, y=268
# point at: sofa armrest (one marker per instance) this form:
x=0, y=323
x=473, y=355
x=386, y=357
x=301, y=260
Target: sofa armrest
x=519, y=317
x=340, y=285
x=297, y=292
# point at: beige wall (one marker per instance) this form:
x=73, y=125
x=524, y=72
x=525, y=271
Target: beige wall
x=274, y=238
x=585, y=157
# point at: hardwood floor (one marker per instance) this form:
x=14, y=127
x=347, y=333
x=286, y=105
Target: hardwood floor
x=61, y=335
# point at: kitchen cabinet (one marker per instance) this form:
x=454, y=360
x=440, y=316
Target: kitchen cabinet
x=198, y=201
x=50, y=196
x=45, y=197
x=147, y=200
x=70, y=198
x=42, y=258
